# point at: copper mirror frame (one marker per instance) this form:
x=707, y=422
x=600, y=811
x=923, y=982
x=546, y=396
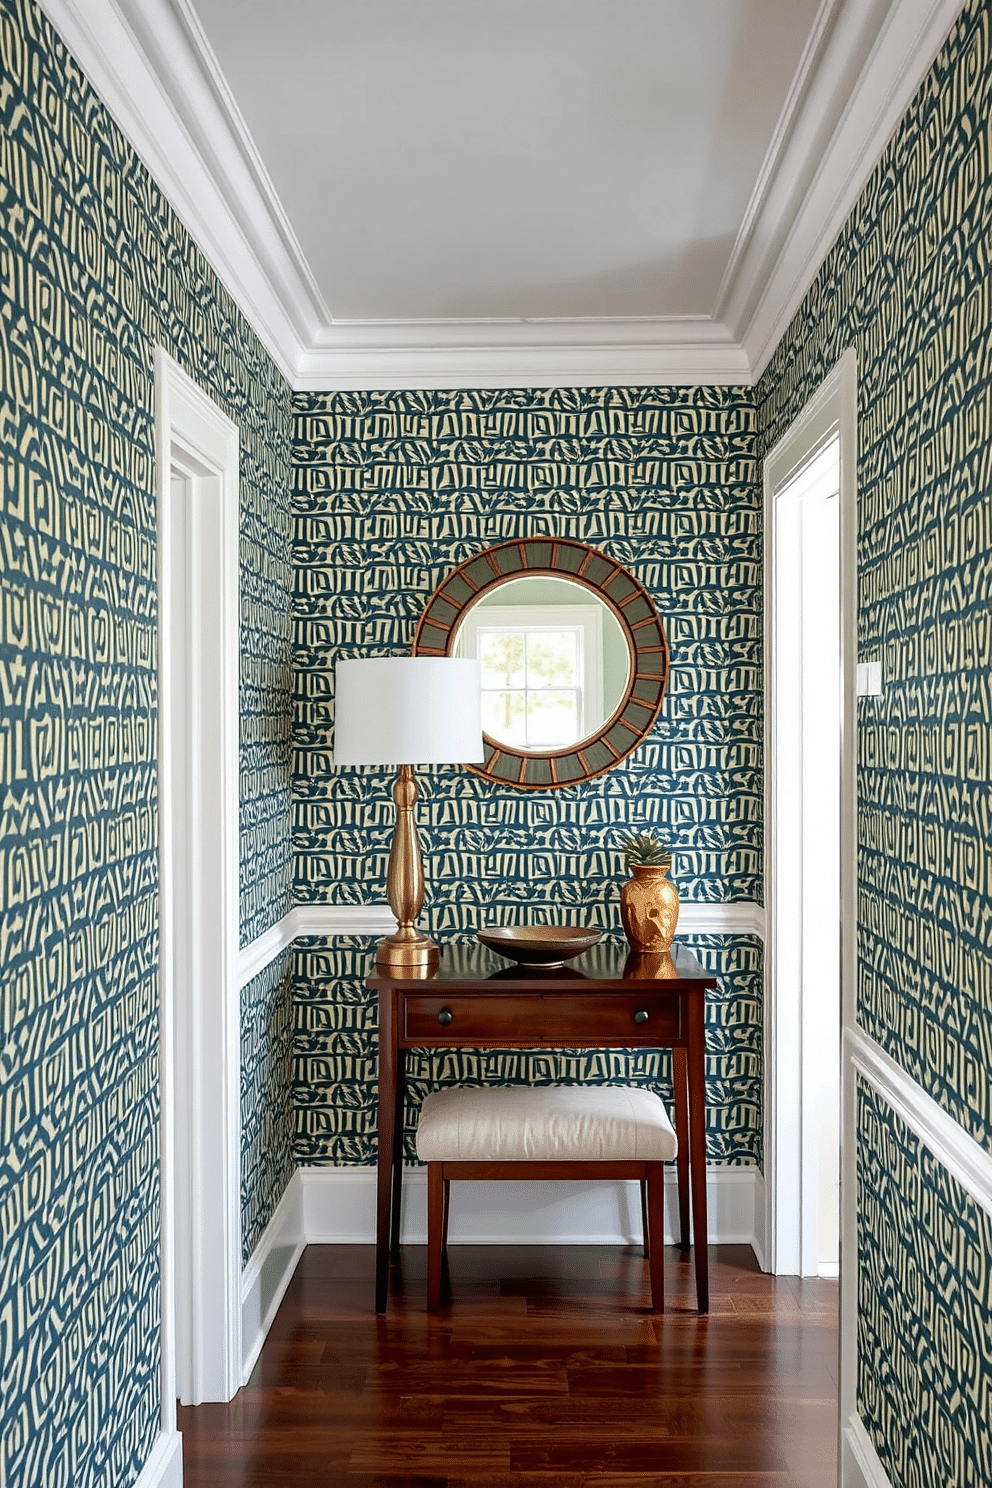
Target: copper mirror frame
x=633, y=718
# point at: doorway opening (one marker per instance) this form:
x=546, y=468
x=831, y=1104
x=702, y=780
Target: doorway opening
x=810, y=522
x=197, y=450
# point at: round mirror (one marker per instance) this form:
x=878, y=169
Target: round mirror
x=553, y=659
x=572, y=655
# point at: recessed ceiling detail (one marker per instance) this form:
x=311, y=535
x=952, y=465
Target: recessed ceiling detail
x=518, y=160
x=497, y=192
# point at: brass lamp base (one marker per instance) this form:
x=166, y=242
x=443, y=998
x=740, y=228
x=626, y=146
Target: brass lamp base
x=407, y=952
x=410, y=955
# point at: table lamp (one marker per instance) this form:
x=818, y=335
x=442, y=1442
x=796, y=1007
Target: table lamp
x=406, y=711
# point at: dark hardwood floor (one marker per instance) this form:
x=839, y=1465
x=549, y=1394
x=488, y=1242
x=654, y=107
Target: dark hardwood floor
x=544, y=1370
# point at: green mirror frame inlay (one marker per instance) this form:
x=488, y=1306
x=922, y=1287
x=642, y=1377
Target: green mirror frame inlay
x=629, y=723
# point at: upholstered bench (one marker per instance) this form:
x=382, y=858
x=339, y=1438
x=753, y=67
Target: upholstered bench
x=544, y=1132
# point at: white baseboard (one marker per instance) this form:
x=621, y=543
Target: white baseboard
x=339, y=1209
x=164, y=1468
x=269, y=1272
x=758, y=1237
x=860, y=1466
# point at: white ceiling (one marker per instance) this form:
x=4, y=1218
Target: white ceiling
x=491, y=193
x=512, y=159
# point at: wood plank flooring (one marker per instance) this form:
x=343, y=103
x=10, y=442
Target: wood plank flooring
x=545, y=1369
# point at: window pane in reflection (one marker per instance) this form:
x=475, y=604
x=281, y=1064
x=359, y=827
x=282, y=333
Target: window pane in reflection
x=501, y=658
x=552, y=658
x=504, y=717
x=552, y=719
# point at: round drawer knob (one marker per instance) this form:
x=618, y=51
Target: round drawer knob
x=641, y=1016
x=445, y=1016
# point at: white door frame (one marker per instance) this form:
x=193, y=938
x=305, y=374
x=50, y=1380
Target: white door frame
x=199, y=646
x=833, y=406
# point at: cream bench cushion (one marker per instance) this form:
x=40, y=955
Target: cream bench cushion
x=545, y=1123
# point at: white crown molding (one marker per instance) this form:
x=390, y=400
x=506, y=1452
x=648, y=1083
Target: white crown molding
x=593, y=352
x=564, y=354
x=786, y=133
x=151, y=71
x=875, y=57
x=152, y=65
x=964, y=1158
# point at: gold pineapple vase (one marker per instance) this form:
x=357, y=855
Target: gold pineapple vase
x=649, y=908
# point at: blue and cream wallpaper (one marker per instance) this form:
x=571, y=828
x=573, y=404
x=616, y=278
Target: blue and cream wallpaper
x=924, y=1309
x=391, y=490
x=355, y=506
x=907, y=284
x=336, y=1056
x=267, y=1105
x=94, y=271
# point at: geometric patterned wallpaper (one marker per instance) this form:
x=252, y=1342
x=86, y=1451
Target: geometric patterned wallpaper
x=94, y=271
x=335, y=1044
x=266, y=1096
x=907, y=283
x=391, y=490
x=924, y=1309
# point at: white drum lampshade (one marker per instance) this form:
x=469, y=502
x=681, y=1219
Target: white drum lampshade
x=407, y=710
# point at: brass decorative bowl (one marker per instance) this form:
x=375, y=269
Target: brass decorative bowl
x=539, y=945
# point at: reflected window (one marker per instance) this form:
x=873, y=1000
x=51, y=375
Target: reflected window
x=541, y=670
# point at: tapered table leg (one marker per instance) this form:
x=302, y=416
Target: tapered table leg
x=681, y=1094
x=386, y=1133
x=398, y=1135
x=696, y=1054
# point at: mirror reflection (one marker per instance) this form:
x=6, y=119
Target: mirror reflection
x=554, y=660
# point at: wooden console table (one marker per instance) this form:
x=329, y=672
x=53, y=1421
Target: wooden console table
x=604, y=999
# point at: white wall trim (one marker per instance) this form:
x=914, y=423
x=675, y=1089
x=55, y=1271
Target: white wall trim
x=324, y=921
x=965, y=1159
x=743, y=918
x=269, y=1271
x=164, y=1465
x=339, y=1209
x=833, y=405
x=860, y=1466
x=336, y=1206
x=264, y=949
x=319, y=920
x=200, y=1049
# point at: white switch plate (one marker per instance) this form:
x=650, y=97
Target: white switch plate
x=869, y=679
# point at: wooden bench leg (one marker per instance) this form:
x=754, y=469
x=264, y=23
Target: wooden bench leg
x=445, y=1276
x=435, y=1232
x=681, y=1102
x=645, y=1229
x=656, y=1229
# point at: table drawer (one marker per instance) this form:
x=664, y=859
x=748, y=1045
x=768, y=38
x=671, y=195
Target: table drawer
x=561, y=1020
